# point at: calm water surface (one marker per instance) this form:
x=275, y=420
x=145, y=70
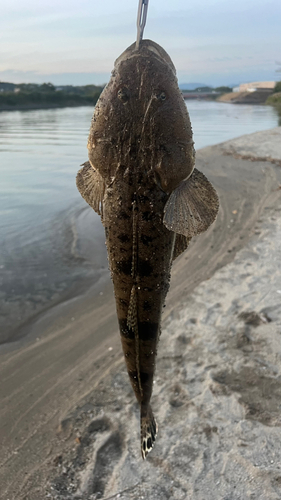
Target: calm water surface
x=40, y=153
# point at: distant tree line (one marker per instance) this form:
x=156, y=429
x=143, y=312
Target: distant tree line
x=222, y=89
x=46, y=95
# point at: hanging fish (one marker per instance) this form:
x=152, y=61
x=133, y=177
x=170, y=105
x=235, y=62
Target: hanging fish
x=141, y=179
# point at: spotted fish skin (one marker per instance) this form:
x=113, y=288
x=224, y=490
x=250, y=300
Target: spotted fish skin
x=139, y=178
x=140, y=255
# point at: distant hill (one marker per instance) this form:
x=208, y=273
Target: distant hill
x=191, y=86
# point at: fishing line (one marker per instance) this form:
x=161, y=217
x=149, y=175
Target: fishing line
x=141, y=20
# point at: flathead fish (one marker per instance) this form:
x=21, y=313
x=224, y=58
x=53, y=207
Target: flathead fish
x=141, y=179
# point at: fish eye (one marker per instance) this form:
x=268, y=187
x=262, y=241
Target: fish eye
x=123, y=95
x=161, y=96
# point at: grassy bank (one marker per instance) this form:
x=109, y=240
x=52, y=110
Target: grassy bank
x=228, y=97
x=275, y=100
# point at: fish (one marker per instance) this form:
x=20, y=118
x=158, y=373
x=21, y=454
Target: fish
x=140, y=178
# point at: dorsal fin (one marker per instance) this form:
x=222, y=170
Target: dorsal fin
x=91, y=186
x=132, y=315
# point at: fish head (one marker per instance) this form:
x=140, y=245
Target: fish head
x=141, y=119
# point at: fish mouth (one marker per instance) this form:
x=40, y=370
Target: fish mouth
x=147, y=48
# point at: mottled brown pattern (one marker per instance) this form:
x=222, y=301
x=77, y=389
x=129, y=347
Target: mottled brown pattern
x=152, y=268
x=141, y=146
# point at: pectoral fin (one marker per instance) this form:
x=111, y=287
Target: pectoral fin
x=91, y=186
x=192, y=206
x=181, y=244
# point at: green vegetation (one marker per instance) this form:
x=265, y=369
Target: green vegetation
x=277, y=87
x=275, y=100
x=198, y=89
x=221, y=90
x=30, y=95
x=211, y=93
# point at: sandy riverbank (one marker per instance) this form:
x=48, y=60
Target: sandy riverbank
x=66, y=398
x=257, y=97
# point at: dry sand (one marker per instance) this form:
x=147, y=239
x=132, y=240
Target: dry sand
x=69, y=421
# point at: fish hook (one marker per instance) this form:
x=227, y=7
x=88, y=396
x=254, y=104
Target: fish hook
x=141, y=20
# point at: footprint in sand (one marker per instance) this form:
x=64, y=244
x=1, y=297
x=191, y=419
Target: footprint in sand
x=107, y=457
x=87, y=474
x=91, y=433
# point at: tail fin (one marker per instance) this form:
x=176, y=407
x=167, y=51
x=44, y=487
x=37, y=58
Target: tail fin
x=149, y=430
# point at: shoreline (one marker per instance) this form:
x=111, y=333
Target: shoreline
x=30, y=107
x=72, y=357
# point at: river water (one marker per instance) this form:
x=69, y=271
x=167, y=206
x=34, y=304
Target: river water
x=42, y=258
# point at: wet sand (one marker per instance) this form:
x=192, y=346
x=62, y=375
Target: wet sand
x=65, y=395
x=52, y=266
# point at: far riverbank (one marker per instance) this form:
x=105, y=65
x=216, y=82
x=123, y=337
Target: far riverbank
x=46, y=96
x=34, y=100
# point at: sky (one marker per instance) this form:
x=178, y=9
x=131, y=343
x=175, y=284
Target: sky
x=215, y=42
